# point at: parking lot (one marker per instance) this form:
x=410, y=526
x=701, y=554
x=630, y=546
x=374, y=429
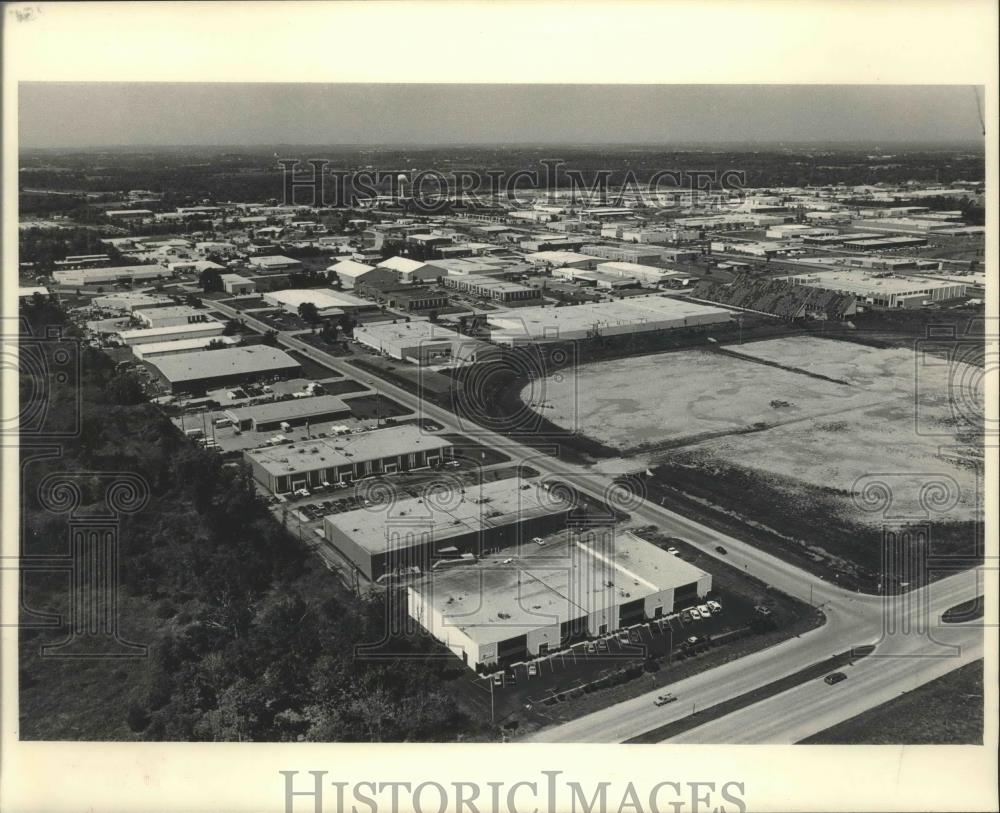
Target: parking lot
x=645, y=652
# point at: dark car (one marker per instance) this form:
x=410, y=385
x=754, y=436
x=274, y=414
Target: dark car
x=720, y=549
x=835, y=677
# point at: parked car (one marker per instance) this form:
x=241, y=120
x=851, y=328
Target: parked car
x=695, y=613
x=498, y=679
x=686, y=616
x=663, y=699
x=532, y=669
x=714, y=606
x=835, y=677
x=691, y=640
x=302, y=492
x=704, y=610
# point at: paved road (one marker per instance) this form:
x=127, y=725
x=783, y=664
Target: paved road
x=853, y=619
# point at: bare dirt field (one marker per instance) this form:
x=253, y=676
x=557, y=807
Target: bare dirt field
x=858, y=422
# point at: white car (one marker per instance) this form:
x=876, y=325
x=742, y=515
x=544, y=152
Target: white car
x=302, y=492
x=695, y=613
x=507, y=561
x=714, y=606
x=704, y=610
x=674, y=551
x=538, y=540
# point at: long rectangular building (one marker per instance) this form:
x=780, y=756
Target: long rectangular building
x=149, y=335
x=422, y=343
x=489, y=288
x=445, y=525
x=504, y=609
x=293, y=411
x=207, y=369
x=100, y=276
x=884, y=290
x=310, y=463
x=637, y=314
x=144, y=352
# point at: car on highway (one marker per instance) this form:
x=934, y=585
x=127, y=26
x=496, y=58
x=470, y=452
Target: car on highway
x=538, y=540
x=674, y=551
x=663, y=699
x=720, y=549
x=834, y=677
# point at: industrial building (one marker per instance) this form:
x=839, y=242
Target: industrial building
x=417, y=532
x=885, y=243
x=147, y=335
x=290, y=412
x=129, y=301
x=208, y=369
x=407, y=270
x=350, y=273
x=273, y=262
x=560, y=259
x=883, y=290
x=646, y=274
x=601, y=279
x=423, y=343
x=171, y=316
x=622, y=253
x=327, y=301
x=490, y=288
x=504, y=609
x=237, y=285
x=144, y=352
x=637, y=314
x=311, y=463
x=100, y=276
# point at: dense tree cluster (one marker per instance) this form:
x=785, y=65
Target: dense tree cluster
x=253, y=639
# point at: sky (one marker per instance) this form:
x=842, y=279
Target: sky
x=146, y=114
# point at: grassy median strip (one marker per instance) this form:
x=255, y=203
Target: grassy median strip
x=817, y=670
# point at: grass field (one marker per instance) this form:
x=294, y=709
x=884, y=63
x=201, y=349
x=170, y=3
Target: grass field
x=948, y=710
x=798, y=410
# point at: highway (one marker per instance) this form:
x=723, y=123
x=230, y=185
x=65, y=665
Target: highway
x=852, y=619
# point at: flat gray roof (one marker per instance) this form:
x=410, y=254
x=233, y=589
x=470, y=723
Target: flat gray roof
x=232, y=361
x=451, y=514
x=309, y=455
x=562, y=580
x=296, y=408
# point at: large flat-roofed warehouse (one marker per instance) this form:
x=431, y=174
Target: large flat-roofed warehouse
x=882, y=243
x=293, y=412
x=99, y=276
x=417, y=532
x=633, y=315
x=647, y=274
x=883, y=291
x=326, y=300
x=490, y=288
x=207, y=369
x=171, y=316
x=560, y=259
x=145, y=352
x=149, y=335
x=622, y=253
x=128, y=301
x=310, y=463
x=423, y=343
x=506, y=609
